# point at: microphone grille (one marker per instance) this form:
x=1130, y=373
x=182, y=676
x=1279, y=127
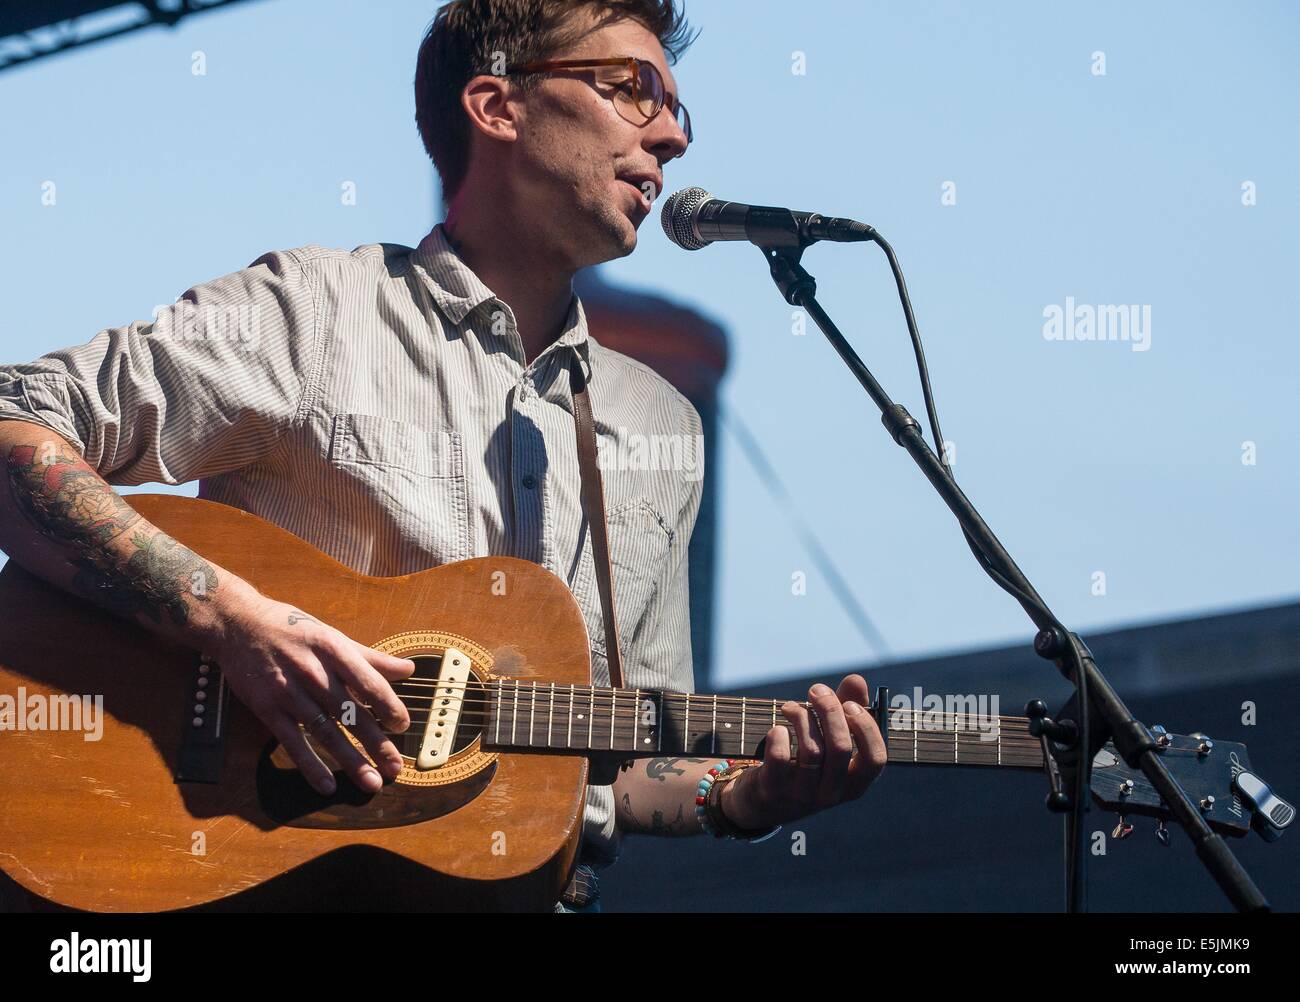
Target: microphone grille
x=678, y=217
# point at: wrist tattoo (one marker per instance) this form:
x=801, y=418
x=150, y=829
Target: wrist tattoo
x=662, y=768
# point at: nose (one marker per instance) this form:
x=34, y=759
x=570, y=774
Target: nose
x=664, y=137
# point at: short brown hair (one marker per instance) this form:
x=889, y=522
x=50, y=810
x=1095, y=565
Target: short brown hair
x=467, y=37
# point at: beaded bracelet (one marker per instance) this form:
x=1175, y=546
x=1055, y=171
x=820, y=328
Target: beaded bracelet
x=708, y=803
x=702, y=797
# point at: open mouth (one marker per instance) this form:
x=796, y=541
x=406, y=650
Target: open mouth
x=642, y=199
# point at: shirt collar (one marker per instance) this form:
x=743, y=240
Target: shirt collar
x=457, y=291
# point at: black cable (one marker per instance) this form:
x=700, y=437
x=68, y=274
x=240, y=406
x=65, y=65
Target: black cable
x=1030, y=600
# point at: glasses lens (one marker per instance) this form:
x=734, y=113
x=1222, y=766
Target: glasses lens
x=650, y=90
x=684, y=120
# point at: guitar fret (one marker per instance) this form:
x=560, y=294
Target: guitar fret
x=956, y=740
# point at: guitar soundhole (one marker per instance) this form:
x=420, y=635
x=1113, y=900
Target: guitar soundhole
x=416, y=796
x=420, y=695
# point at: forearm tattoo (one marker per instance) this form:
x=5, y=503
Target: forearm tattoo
x=662, y=768
x=69, y=504
x=667, y=814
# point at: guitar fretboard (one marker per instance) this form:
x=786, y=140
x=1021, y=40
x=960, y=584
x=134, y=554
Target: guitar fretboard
x=644, y=722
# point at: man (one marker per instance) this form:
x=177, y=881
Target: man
x=400, y=409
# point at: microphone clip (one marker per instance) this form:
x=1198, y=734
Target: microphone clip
x=796, y=285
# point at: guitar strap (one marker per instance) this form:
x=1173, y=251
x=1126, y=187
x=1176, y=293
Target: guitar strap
x=593, y=504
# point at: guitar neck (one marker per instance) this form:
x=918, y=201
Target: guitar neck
x=643, y=723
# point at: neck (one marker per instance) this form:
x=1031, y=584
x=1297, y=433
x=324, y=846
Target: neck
x=520, y=265
x=645, y=723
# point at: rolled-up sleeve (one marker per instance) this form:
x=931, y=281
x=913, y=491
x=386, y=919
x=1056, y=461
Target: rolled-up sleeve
x=209, y=385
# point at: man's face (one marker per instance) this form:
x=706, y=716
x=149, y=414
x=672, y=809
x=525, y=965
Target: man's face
x=583, y=170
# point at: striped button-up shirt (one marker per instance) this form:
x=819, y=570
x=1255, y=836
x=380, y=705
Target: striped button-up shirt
x=378, y=404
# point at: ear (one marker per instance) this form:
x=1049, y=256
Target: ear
x=492, y=104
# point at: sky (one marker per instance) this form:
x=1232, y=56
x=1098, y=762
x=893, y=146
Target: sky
x=1027, y=162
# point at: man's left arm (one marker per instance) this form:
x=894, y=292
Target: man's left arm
x=839, y=747
x=840, y=751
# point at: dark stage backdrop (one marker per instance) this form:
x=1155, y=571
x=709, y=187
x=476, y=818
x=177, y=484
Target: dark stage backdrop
x=926, y=838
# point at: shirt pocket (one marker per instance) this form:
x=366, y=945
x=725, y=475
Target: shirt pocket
x=639, y=541
x=405, y=498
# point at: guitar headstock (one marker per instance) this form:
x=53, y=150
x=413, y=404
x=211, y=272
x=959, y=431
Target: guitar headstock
x=1203, y=767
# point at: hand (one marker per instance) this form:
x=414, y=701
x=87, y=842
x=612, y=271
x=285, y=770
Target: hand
x=289, y=668
x=827, y=769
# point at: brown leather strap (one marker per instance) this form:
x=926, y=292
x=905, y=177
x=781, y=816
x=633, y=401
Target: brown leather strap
x=593, y=504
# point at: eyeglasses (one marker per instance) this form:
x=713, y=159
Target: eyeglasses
x=639, y=88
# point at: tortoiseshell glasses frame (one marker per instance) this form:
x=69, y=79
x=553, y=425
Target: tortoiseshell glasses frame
x=647, y=93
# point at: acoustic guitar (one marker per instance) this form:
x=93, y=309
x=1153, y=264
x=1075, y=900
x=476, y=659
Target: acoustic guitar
x=176, y=797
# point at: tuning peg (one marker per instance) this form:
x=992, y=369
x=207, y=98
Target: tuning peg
x=1122, y=830
x=1063, y=732
x=1162, y=833
x=1058, y=802
x=1273, y=815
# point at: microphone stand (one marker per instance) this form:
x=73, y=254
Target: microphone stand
x=1068, y=744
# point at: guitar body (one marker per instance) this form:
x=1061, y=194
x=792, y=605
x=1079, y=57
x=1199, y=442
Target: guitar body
x=105, y=824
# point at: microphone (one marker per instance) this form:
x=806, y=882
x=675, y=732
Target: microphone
x=693, y=218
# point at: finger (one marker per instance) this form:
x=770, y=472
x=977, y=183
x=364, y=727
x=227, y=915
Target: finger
x=872, y=754
x=779, y=756
x=776, y=778
x=392, y=668
x=854, y=687
x=292, y=739
x=837, y=744
x=330, y=737
x=353, y=715
x=808, y=755
x=362, y=676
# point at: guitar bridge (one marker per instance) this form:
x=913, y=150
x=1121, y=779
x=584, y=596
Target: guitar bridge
x=203, y=736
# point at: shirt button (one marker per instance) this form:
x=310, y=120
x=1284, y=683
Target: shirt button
x=530, y=481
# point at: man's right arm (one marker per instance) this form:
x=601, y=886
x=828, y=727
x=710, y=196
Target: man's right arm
x=60, y=520
x=211, y=385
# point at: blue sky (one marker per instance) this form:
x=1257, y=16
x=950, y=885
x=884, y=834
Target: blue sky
x=1115, y=189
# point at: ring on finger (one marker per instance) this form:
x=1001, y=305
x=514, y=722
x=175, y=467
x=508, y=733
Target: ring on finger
x=320, y=721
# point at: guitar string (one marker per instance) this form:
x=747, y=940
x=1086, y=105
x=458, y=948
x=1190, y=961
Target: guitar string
x=608, y=692
x=947, y=727
x=542, y=691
